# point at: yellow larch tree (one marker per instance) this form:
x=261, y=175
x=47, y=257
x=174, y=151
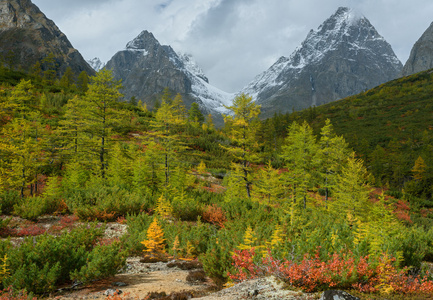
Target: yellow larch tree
x=155, y=239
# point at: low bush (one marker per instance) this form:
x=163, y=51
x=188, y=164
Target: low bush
x=339, y=271
x=42, y=263
x=8, y=199
x=103, y=261
x=187, y=210
x=105, y=203
x=215, y=215
x=31, y=208
x=196, y=276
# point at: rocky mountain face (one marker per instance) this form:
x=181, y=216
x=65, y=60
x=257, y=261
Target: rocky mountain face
x=421, y=55
x=344, y=56
x=146, y=67
x=28, y=36
x=96, y=64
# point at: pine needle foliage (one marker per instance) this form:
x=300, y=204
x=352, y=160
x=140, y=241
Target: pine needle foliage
x=242, y=128
x=249, y=239
x=155, y=239
x=163, y=207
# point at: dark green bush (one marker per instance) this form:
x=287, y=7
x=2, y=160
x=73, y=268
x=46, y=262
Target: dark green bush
x=31, y=208
x=41, y=263
x=99, y=202
x=8, y=199
x=103, y=261
x=187, y=210
x=137, y=229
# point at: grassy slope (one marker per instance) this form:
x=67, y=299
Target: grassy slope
x=397, y=115
x=400, y=109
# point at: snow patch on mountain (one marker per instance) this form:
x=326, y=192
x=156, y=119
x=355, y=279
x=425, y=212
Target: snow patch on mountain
x=212, y=98
x=191, y=66
x=345, y=29
x=96, y=64
x=143, y=51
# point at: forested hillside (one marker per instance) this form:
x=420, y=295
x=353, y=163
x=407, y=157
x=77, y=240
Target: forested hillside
x=283, y=197
x=389, y=127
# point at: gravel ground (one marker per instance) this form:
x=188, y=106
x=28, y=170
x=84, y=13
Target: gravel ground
x=260, y=289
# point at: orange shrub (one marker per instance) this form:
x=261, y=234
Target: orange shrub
x=339, y=271
x=215, y=215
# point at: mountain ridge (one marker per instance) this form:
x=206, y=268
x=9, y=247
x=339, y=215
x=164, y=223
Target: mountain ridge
x=421, y=57
x=146, y=68
x=27, y=36
x=344, y=56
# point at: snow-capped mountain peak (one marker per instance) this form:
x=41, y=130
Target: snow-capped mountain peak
x=211, y=97
x=146, y=68
x=344, y=56
x=96, y=64
x=191, y=65
x=143, y=41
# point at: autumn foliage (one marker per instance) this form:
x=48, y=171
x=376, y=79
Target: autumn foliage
x=339, y=271
x=155, y=239
x=214, y=215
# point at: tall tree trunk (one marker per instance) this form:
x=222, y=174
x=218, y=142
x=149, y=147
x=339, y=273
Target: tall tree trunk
x=23, y=184
x=167, y=171
x=101, y=154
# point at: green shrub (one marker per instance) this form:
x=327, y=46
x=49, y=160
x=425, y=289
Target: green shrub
x=33, y=207
x=137, y=228
x=8, y=199
x=41, y=263
x=187, y=210
x=103, y=261
x=104, y=203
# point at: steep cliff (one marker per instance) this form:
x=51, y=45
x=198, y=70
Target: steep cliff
x=28, y=36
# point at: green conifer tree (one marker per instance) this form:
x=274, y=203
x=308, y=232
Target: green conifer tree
x=268, y=188
x=299, y=153
x=101, y=115
x=195, y=117
x=242, y=126
x=333, y=151
x=352, y=189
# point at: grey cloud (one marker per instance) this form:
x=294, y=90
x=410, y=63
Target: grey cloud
x=232, y=40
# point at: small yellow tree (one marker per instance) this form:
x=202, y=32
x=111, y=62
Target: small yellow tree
x=163, y=207
x=4, y=271
x=190, y=250
x=277, y=238
x=176, y=244
x=155, y=239
x=249, y=239
x=419, y=169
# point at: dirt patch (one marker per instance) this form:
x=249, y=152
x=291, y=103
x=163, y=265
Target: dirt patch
x=138, y=279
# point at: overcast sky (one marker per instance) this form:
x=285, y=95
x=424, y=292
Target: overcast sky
x=231, y=40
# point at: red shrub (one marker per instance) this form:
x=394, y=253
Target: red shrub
x=68, y=221
x=339, y=271
x=31, y=230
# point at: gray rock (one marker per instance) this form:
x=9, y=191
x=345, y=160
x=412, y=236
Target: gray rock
x=421, y=55
x=146, y=68
x=343, y=57
x=112, y=292
x=30, y=36
x=119, y=284
x=337, y=295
